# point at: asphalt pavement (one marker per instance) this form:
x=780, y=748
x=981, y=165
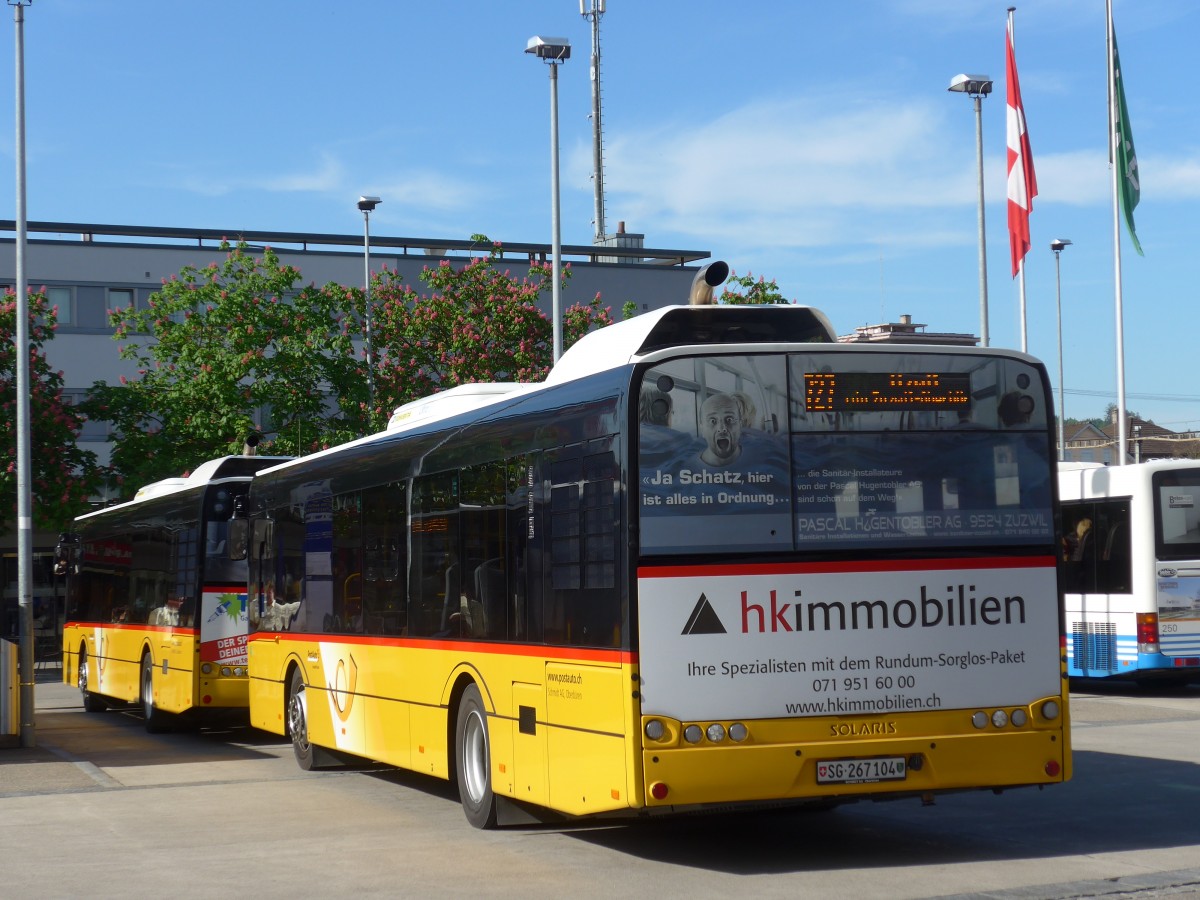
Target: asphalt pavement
x=47, y=767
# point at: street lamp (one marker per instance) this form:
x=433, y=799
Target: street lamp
x=1057, y=246
x=367, y=204
x=977, y=87
x=27, y=726
x=553, y=51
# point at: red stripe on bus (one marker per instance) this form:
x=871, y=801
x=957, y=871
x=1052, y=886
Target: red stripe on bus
x=896, y=565
x=581, y=654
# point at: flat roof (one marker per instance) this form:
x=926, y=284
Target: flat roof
x=202, y=237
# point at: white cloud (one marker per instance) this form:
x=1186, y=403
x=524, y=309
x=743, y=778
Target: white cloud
x=327, y=176
x=792, y=173
x=1177, y=179
x=803, y=175
x=427, y=190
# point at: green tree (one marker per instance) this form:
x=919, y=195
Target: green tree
x=227, y=350
x=62, y=476
x=752, y=291
x=236, y=347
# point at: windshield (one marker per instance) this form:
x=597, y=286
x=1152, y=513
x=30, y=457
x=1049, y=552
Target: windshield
x=842, y=450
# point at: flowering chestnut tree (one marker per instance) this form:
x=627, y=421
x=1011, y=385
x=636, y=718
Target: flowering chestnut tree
x=746, y=290
x=61, y=476
x=476, y=323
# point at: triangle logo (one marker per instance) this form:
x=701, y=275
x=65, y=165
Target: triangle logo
x=703, y=620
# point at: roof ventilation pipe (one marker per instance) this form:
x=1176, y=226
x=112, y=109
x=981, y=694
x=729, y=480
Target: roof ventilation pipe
x=704, y=282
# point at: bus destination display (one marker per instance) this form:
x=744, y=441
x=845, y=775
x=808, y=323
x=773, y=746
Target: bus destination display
x=877, y=391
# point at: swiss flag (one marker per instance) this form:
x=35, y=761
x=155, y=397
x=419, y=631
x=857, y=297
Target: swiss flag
x=1022, y=183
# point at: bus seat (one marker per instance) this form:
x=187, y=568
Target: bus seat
x=491, y=587
x=450, y=602
x=1115, y=545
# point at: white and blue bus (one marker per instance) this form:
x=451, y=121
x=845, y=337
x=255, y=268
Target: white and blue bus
x=1131, y=561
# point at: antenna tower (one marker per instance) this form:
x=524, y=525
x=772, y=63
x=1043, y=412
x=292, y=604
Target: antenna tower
x=592, y=10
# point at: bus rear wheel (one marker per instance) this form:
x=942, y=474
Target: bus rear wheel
x=156, y=719
x=474, y=764
x=91, y=702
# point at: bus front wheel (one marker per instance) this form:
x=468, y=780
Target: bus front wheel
x=91, y=702
x=309, y=755
x=473, y=758
x=297, y=722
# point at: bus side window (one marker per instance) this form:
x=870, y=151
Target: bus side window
x=1114, y=570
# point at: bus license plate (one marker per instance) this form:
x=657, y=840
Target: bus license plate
x=858, y=771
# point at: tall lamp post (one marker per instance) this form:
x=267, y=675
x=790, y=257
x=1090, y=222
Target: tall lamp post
x=367, y=204
x=1057, y=245
x=24, y=437
x=977, y=87
x=553, y=51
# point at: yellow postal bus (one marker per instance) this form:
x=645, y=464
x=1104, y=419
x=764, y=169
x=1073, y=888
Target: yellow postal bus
x=156, y=610
x=717, y=558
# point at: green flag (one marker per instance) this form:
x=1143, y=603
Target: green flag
x=1127, y=171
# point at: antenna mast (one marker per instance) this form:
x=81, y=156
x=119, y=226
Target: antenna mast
x=593, y=14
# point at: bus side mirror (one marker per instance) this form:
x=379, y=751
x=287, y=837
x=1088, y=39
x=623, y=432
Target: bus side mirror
x=239, y=530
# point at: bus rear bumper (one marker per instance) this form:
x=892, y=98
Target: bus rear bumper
x=703, y=775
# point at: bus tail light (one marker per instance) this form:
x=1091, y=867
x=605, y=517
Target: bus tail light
x=1052, y=768
x=659, y=791
x=1147, y=632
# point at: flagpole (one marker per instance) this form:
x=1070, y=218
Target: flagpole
x=1122, y=416
x=1024, y=332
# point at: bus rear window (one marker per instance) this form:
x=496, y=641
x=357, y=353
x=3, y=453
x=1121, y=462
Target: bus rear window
x=842, y=450
x=1177, y=514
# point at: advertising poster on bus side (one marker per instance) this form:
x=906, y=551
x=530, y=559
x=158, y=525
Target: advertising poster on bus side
x=223, y=625
x=713, y=460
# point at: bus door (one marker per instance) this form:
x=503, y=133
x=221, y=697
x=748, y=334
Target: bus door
x=1098, y=584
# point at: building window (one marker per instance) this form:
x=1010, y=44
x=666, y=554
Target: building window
x=120, y=298
x=62, y=298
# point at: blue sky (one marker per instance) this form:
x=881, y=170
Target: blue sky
x=811, y=142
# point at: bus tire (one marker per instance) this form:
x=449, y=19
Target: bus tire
x=156, y=719
x=297, y=721
x=473, y=759
x=91, y=702
x=308, y=755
